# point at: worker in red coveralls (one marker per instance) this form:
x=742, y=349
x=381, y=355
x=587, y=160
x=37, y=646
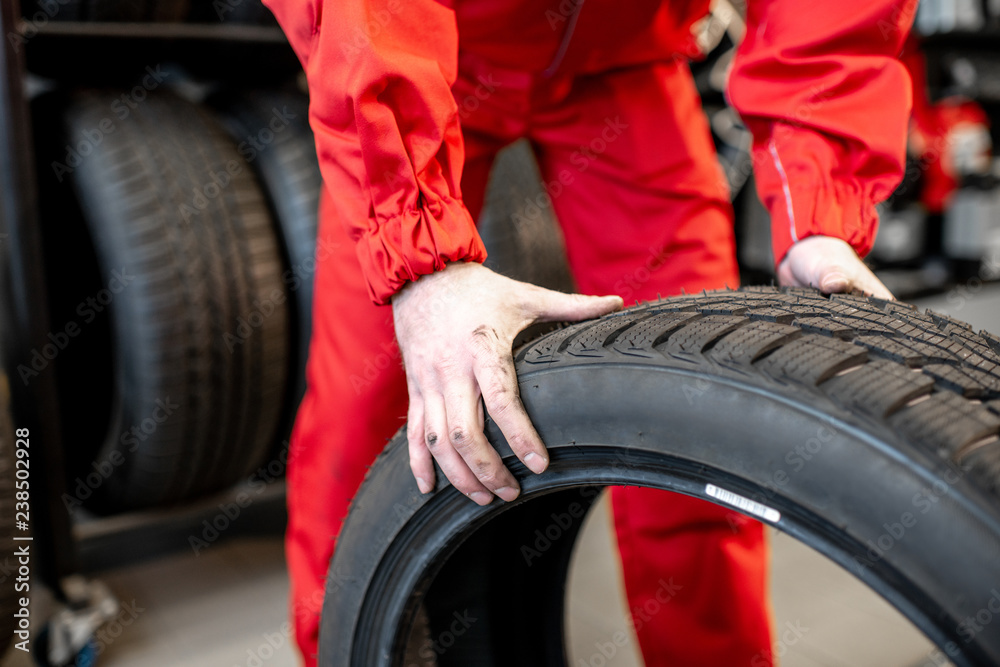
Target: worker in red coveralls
x=410, y=102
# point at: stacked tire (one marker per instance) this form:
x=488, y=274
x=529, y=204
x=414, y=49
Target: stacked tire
x=168, y=266
x=250, y=12
x=271, y=130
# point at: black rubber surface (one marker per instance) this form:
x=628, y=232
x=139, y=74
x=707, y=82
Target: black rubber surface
x=200, y=331
x=271, y=128
x=864, y=428
x=107, y=10
x=251, y=12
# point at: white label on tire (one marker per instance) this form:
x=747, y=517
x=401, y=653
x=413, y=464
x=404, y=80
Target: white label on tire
x=745, y=504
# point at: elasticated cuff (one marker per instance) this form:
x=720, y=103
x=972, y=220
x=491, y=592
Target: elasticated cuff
x=416, y=243
x=842, y=212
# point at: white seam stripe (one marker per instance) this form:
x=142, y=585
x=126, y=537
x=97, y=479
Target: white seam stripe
x=784, y=186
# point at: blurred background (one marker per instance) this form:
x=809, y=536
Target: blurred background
x=158, y=192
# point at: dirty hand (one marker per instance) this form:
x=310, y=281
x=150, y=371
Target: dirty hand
x=455, y=330
x=830, y=265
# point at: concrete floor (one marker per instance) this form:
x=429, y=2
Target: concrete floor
x=226, y=607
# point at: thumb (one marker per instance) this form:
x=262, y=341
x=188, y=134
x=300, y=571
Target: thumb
x=830, y=265
x=833, y=280
x=556, y=306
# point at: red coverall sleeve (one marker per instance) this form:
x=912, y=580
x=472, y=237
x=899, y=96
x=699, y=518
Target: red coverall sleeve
x=380, y=74
x=821, y=89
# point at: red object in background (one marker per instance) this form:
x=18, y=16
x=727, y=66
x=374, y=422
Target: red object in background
x=411, y=99
x=947, y=137
x=934, y=137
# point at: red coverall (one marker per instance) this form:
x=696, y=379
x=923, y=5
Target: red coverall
x=410, y=102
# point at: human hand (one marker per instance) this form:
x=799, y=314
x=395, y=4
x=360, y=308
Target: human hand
x=830, y=265
x=455, y=329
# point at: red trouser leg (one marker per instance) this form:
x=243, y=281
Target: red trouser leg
x=621, y=201
x=644, y=210
x=355, y=401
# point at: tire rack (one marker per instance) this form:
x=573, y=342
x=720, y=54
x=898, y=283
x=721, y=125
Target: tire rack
x=67, y=545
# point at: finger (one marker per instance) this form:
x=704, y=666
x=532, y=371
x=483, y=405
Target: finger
x=830, y=265
x=786, y=276
x=421, y=462
x=867, y=282
x=438, y=444
x=469, y=441
x=551, y=306
x=498, y=383
x=846, y=275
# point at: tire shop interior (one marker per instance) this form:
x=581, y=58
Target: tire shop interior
x=160, y=192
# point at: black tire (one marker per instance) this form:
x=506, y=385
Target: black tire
x=517, y=223
x=168, y=200
x=109, y=10
x=8, y=593
x=288, y=169
x=244, y=12
x=836, y=420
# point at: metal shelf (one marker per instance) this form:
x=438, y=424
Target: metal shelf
x=124, y=539
x=65, y=544
x=177, y=31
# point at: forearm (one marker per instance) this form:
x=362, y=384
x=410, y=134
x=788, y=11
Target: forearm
x=387, y=131
x=828, y=103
